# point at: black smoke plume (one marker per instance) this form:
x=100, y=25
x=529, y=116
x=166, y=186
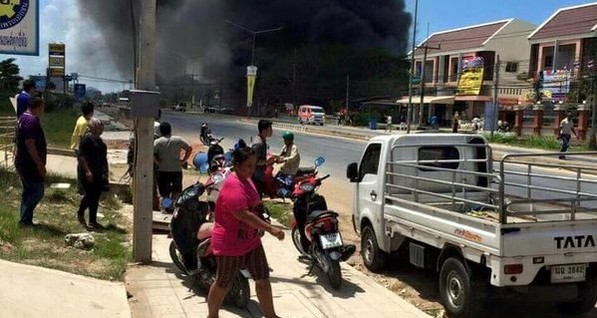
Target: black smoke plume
x=194, y=37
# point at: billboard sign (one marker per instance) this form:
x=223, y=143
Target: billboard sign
x=56, y=59
x=471, y=78
x=556, y=85
x=19, y=27
x=80, y=91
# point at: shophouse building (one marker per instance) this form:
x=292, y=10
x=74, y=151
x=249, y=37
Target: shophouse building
x=563, y=53
x=460, y=69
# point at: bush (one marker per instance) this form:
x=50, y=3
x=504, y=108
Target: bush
x=543, y=142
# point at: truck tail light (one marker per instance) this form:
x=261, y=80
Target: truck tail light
x=513, y=269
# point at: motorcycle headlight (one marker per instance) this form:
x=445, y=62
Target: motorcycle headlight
x=307, y=187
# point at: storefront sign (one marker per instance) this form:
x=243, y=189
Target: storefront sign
x=471, y=78
x=556, y=85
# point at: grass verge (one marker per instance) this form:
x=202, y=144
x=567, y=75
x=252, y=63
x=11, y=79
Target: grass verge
x=550, y=143
x=44, y=245
x=281, y=211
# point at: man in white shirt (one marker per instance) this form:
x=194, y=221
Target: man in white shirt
x=566, y=131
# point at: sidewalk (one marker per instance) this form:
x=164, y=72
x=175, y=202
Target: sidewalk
x=159, y=290
x=31, y=292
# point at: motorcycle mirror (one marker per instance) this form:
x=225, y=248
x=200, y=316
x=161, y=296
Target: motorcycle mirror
x=217, y=177
x=319, y=161
x=166, y=203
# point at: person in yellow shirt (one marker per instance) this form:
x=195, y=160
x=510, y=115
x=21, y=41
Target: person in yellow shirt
x=78, y=133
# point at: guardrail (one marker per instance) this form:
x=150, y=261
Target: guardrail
x=7, y=140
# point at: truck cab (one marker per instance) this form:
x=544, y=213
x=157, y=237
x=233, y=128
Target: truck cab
x=312, y=115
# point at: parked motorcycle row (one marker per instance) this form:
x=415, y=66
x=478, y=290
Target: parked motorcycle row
x=192, y=220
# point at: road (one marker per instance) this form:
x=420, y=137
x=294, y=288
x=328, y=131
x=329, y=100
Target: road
x=339, y=152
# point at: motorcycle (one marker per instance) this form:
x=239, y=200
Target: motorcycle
x=190, y=248
x=325, y=247
x=205, y=135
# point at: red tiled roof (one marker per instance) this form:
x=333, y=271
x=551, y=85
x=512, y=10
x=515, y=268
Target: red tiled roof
x=471, y=37
x=568, y=21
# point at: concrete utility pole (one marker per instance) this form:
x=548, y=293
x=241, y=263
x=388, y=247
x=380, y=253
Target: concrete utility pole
x=143, y=180
x=412, y=71
x=496, y=105
x=347, y=90
x=421, y=103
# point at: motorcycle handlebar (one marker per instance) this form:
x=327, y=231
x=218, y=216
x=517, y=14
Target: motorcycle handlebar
x=323, y=178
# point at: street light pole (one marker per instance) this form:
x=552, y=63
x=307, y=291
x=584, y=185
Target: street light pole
x=412, y=72
x=253, y=44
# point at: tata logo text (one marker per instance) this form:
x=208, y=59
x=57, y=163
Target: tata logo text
x=576, y=241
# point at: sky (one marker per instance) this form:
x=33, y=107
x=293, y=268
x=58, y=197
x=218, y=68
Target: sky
x=60, y=21
x=441, y=15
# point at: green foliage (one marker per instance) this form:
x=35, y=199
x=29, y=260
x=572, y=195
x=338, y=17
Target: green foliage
x=280, y=211
x=542, y=142
x=58, y=126
x=9, y=77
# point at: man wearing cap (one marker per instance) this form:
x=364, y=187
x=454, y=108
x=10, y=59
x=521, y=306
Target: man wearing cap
x=289, y=157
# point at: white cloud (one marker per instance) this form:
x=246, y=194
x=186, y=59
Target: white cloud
x=61, y=21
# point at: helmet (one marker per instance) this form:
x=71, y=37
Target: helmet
x=288, y=135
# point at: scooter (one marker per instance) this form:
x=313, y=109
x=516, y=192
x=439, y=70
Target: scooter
x=190, y=249
x=205, y=135
x=325, y=247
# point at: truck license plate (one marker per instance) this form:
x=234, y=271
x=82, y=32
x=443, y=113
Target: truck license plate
x=568, y=273
x=330, y=240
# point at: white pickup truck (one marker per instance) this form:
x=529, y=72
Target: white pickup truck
x=522, y=229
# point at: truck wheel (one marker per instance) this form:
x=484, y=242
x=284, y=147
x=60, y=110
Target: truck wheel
x=373, y=257
x=455, y=288
x=587, y=297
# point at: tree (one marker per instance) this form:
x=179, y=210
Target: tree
x=9, y=77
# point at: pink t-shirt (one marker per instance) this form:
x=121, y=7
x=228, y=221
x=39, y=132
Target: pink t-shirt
x=230, y=236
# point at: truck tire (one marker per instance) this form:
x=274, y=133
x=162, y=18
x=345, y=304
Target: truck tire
x=455, y=288
x=587, y=297
x=373, y=257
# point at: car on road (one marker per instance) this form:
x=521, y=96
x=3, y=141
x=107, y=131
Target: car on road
x=309, y=114
x=180, y=107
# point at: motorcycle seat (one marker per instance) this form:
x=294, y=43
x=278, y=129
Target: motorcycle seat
x=320, y=214
x=304, y=170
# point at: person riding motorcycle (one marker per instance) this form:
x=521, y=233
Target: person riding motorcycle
x=289, y=157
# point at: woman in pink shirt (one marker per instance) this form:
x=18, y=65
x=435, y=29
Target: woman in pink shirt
x=235, y=237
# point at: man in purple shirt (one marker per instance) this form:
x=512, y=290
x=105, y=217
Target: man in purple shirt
x=30, y=159
x=25, y=96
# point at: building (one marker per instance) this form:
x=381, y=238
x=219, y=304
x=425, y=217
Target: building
x=563, y=51
x=460, y=64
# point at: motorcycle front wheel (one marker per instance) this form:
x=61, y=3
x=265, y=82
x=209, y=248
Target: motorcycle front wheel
x=296, y=239
x=240, y=292
x=177, y=258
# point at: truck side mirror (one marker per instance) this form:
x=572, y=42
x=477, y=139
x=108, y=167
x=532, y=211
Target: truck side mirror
x=352, y=172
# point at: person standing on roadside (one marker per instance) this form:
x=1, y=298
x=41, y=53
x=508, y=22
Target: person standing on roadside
x=236, y=239
x=455, y=122
x=166, y=151
x=389, y=123
x=30, y=159
x=24, y=98
x=87, y=110
x=93, y=170
x=566, y=131
x=260, y=148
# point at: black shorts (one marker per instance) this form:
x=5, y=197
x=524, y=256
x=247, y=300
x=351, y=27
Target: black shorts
x=228, y=266
x=169, y=181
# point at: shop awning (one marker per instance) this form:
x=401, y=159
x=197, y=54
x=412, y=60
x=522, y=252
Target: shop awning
x=428, y=100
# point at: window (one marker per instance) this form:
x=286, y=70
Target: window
x=548, y=61
x=454, y=72
x=370, y=161
x=439, y=153
x=512, y=67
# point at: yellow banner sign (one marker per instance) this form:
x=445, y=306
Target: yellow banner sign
x=251, y=75
x=471, y=78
